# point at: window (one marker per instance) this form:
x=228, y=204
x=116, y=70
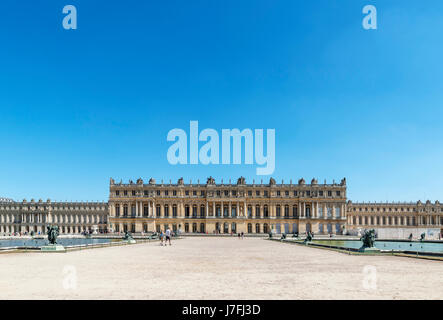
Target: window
x=278, y=193
x=249, y=213
x=157, y=211
x=320, y=211
x=174, y=193
x=320, y=193
x=202, y=211
x=125, y=210
x=202, y=193
x=286, y=211
x=337, y=193
x=174, y=210
x=308, y=193
x=329, y=193
x=257, y=193
x=278, y=213
x=117, y=210
x=234, y=193
x=265, y=211
x=226, y=193
x=146, y=192
x=295, y=193
x=166, y=192
x=145, y=210
x=249, y=227
x=194, y=193
x=250, y=195
x=187, y=193
x=257, y=211
x=125, y=192
x=266, y=193
x=166, y=208
x=257, y=228
x=295, y=211
x=337, y=212
x=117, y=193
x=133, y=192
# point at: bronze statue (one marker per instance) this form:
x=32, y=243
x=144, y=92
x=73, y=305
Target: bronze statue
x=309, y=236
x=422, y=236
x=368, y=238
x=128, y=236
x=52, y=232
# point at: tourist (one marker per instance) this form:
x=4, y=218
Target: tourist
x=161, y=237
x=168, y=236
x=242, y=234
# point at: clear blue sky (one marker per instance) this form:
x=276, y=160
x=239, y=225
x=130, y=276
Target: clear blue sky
x=81, y=106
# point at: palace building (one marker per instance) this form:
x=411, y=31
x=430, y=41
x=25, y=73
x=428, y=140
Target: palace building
x=225, y=208
x=35, y=216
x=396, y=220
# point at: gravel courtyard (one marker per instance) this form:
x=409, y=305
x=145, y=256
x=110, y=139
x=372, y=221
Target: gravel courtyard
x=215, y=268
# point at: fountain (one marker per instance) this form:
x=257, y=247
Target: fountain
x=52, y=238
x=368, y=239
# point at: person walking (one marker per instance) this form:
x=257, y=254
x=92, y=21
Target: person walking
x=161, y=237
x=168, y=236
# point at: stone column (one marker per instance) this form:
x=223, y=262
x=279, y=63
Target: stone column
x=207, y=209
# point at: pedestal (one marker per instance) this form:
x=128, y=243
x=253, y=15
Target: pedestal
x=369, y=250
x=53, y=248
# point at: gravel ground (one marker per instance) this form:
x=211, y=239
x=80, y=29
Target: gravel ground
x=216, y=268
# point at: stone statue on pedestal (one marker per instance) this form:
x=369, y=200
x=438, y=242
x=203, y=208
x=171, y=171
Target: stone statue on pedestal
x=52, y=232
x=368, y=239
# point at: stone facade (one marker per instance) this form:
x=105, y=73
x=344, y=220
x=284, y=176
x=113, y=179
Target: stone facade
x=227, y=207
x=405, y=216
x=71, y=217
x=223, y=208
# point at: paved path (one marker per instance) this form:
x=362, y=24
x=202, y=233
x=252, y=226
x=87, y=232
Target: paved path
x=214, y=268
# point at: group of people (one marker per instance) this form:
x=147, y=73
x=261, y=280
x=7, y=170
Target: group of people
x=241, y=235
x=165, y=237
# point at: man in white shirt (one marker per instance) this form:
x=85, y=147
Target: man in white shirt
x=168, y=236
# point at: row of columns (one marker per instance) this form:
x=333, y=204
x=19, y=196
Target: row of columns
x=241, y=209
x=438, y=220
